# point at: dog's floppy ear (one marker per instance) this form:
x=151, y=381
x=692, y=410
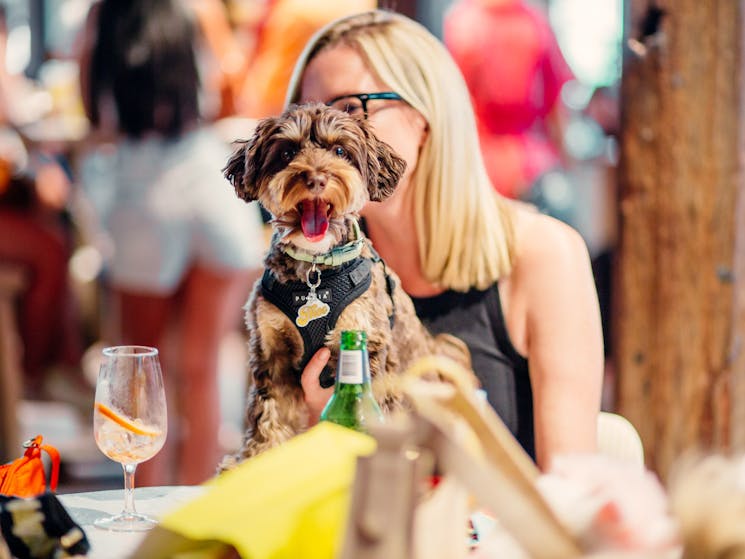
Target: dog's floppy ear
x=244, y=165
x=384, y=167
x=235, y=172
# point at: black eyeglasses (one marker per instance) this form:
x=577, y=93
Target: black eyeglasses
x=356, y=103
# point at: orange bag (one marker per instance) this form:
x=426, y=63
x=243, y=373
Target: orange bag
x=25, y=476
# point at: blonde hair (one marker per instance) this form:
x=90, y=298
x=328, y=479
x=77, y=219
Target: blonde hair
x=464, y=227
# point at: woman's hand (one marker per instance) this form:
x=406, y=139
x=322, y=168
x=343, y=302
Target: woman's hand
x=315, y=396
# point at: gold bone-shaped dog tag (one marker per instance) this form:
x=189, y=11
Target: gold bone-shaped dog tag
x=313, y=308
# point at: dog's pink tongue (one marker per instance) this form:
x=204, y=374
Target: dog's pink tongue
x=314, y=221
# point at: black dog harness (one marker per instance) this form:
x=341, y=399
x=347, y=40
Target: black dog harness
x=338, y=287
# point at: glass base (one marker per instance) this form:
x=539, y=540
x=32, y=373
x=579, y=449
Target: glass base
x=126, y=522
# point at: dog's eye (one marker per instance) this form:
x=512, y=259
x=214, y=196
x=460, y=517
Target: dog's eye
x=288, y=154
x=340, y=151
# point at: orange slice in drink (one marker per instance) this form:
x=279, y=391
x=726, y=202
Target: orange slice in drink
x=128, y=424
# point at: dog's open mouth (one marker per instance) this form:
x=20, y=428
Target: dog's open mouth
x=314, y=218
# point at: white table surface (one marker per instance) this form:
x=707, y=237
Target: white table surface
x=85, y=508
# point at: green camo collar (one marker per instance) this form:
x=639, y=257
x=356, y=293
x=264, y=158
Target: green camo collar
x=337, y=255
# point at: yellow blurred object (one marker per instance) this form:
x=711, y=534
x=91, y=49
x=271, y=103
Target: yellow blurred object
x=286, y=28
x=289, y=502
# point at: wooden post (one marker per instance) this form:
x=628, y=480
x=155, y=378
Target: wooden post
x=679, y=306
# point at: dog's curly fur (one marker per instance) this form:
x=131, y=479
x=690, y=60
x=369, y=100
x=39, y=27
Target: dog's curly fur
x=315, y=152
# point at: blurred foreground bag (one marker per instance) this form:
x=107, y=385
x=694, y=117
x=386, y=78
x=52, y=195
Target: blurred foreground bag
x=400, y=508
x=25, y=476
x=289, y=502
x=394, y=513
x=39, y=528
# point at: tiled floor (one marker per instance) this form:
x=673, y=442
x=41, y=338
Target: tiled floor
x=84, y=468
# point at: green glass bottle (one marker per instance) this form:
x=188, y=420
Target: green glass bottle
x=353, y=404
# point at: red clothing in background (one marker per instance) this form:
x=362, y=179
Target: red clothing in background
x=514, y=69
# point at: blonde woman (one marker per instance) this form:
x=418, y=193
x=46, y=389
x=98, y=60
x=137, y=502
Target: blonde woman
x=515, y=285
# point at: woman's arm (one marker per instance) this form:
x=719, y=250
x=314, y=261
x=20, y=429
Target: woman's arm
x=555, y=301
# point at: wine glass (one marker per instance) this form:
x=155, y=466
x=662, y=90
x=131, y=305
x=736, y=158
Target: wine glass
x=129, y=421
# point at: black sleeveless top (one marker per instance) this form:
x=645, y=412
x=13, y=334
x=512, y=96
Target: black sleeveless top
x=476, y=318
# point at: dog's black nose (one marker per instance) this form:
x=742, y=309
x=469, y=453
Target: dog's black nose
x=316, y=181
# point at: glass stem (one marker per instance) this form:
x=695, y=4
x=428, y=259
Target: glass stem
x=129, y=488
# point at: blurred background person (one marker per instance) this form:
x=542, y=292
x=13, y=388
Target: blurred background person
x=602, y=120
x=515, y=72
x=184, y=249
x=281, y=31
x=222, y=56
x=37, y=239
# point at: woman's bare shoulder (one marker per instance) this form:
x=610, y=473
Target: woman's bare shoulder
x=543, y=240
x=551, y=271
